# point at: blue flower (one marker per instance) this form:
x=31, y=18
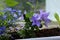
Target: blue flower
x=2, y=29
x=19, y=12
x=10, y=10
x=7, y=9
x=4, y=17
x=13, y=11
x=15, y=16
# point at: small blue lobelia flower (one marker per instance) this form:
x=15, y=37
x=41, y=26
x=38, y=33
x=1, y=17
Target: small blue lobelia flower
x=4, y=17
x=19, y=12
x=2, y=29
x=15, y=16
x=10, y=9
x=7, y=9
x=13, y=20
x=13, y=11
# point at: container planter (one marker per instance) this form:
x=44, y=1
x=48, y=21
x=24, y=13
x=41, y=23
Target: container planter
x=44, y=34
x=43, y=38
x=34, y=18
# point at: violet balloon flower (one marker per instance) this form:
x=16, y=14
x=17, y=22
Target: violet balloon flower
x=39, y=17
x=35, y=20
x=44, y=17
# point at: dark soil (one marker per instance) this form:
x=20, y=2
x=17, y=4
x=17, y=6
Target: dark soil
x=42, y=33
x=48, y=32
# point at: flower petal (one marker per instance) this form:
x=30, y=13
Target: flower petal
x=38, y=23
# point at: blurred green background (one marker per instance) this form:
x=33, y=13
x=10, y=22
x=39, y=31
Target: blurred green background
x=20, y=4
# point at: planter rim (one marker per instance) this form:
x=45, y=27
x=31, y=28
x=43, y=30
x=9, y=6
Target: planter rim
x=43, y=38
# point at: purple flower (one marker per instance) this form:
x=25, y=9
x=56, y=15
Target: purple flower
x=44, y=16
x=35, y=21
x=46, y=22
x=21, y=18
x=2, y=29
x=39, y=17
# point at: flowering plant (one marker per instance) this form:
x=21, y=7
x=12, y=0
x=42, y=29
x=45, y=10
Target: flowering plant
x=34, y=23
x=33, y=20
x=9, y=17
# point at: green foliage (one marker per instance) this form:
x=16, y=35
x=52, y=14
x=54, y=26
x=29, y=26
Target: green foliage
x=1, y=7
x=5, y=22
x=11, y=3
x=2, y=4
x=28, y=29
x=30, y=14
x=1, y=13
x=25, y=5
x=4, y=38
x=23, y=33
x=30, y=4
x=57, y=18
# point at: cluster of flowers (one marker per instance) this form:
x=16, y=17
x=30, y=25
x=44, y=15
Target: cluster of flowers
x=13, y=12
x=2, y=29
x=36, y=19
x=40, y=17
x=15, y=15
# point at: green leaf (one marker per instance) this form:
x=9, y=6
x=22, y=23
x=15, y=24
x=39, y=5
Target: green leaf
x=29, y=15
x=11, y=3
x=2, y=4
x=1, y=13
x=57, y=17
x=30, y=4
x=1, y=7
